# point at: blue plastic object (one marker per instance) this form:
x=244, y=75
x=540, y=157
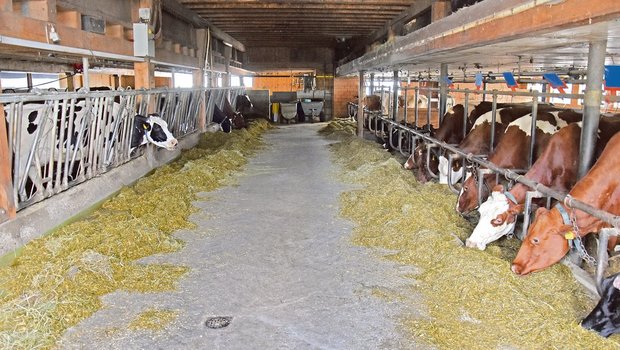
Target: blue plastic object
x=479, y=80
x=554, y=80
x=510, y=79
x=448, y=81
x=612, y=77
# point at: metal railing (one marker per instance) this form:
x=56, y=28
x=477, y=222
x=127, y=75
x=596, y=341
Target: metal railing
x=419, y=135
x=60, y=139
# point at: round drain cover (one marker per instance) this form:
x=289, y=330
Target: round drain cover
x=218, y=322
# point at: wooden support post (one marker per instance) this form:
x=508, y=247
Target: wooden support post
x=360, y=105
x=145, y=78
x=7, y=202
x=227, y=56
x=199, y=76
x=440, y=9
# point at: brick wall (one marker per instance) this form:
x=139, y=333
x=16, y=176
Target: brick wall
x=345, y=90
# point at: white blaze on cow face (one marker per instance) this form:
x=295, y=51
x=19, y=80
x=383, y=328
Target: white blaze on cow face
x=159, y=134
x=485, y=232
x=445, y=172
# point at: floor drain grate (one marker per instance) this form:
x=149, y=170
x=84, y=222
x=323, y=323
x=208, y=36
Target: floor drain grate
x=218, y=322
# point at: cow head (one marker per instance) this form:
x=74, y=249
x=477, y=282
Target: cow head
x=487, y=229
x=545, y=244
x=468, y=196
x=446, y=173
x=152, y=129
x=243, y=104
x=605, y=317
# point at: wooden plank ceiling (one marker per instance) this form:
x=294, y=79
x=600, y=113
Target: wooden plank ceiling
x=292, y=23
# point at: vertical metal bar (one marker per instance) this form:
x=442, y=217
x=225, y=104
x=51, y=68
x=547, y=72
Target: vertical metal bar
x=428, y=109
x=591, y=105
x=543, y=98
x=602, y=258
x=360, y=105
x=530, y=159
x=396, y=86
x=405, y=106
x=484, y=89
x=527, y=210
x=493, y=118
x=416, y=92
x=443, y=90
x=372, y=83
x=85, y=73
x=465, y=112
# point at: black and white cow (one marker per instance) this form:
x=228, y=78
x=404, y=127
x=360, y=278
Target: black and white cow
x=225, y=124
x=605, y=317
x=51, y=139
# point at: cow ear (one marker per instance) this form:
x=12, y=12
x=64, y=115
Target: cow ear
x=498, y=188
x=515, y=209
x=541, y=210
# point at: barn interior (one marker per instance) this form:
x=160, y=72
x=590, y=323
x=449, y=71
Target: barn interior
x=302, y=64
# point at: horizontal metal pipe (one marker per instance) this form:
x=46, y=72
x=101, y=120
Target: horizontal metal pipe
x=509, y=174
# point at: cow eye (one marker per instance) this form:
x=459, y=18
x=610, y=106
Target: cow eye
x=464, y=188
x=535, y=241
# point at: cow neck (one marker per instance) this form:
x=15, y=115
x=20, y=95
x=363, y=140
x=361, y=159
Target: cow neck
x=584, y=222
x=517, y=192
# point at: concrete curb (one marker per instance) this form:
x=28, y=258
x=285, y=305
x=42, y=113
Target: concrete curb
x=42, y=217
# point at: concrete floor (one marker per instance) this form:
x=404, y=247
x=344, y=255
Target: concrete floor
x=273, y=254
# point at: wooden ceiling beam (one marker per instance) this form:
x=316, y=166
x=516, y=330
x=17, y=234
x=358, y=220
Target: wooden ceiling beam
x=284, y=2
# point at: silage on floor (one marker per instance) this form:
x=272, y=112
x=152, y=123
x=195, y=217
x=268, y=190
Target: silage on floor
x=57, y=279
x=473, y=300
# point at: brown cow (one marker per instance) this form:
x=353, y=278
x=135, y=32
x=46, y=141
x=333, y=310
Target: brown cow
x=512, y=152
x=556, y=168
x=547, y=240
x=450, y=131
x=478, y=139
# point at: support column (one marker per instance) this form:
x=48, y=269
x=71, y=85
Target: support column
x=199, y=76
x=372, y=83
x=85, y=72
x=360, y=105
x=145, y=79
x=440, y=9
x=227, y=56
x=7, y=202
x=395, y=88
x=443, y=90
x=592, y=105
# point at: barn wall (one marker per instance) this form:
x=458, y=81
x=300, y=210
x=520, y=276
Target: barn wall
x=276, y=84
x=345, y=90
x=276, y=58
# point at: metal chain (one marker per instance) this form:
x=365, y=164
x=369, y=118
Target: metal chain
x=581, y=249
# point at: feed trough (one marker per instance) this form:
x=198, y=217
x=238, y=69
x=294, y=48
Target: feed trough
x=288, y=111
x=312, y=110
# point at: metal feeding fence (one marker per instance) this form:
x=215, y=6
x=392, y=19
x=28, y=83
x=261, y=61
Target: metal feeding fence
x=58, y=139
x=410, y=134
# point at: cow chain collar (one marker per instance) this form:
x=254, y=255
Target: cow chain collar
x=574, y=241
x=474, y=173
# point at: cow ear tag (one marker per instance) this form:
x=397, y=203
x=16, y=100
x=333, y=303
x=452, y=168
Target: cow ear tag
x=146, y=127
x=570, y=235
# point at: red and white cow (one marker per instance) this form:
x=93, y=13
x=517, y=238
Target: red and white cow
x=478, y=139
x=450, y=131
x=512, y=152
x=555, y=168
x=552, y=232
